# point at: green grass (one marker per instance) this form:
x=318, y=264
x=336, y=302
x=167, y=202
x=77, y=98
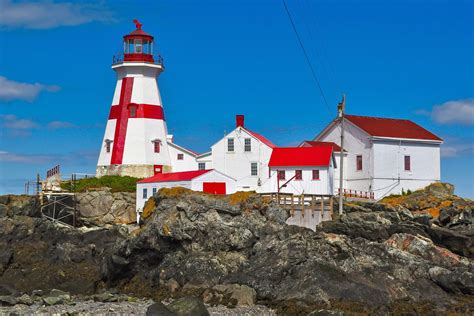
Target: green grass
x=115, y=183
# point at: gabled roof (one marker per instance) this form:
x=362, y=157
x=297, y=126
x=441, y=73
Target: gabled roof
x=392, y=128
x=260, y=138
x=174, y=176
x=312, y=143
x=193, y=153
x=301, y=156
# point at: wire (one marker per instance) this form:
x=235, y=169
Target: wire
x=313, y=72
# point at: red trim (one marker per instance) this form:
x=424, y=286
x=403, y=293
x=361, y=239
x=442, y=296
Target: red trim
x=150, y=111
x=174, y=176
x=138, y=57
x=122, y=120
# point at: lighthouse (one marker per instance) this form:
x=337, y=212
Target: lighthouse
x=135, y=142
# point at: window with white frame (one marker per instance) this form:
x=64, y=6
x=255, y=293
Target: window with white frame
x=108, y=145
x=230, y=144
x=180, y=156
x=359, y=162
x=145, y=193
x=154, y=191
x=202, y=166
x=247, y=145
x=298, y=174
x=407, y=163
x=253, y=169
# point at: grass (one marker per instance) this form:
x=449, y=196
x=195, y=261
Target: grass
x=115, y=183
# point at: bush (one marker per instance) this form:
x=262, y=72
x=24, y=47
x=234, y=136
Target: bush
x=115, y=183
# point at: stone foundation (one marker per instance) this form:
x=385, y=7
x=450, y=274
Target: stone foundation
x=137, y=171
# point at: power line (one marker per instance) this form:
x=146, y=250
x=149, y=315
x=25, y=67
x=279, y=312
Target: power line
x=313, y=72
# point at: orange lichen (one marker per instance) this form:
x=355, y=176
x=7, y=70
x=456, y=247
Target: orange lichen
x=149, y=208
x=239, y=197
x=446, y=204
x=174, y=192
x=433, y=211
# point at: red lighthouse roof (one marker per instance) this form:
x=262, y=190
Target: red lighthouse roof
x=138, y=33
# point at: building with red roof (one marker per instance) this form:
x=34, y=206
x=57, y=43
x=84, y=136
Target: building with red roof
x=383, y=156
x=209, y=181
x=301, y=170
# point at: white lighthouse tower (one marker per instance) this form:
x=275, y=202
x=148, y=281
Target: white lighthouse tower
x=135, y=140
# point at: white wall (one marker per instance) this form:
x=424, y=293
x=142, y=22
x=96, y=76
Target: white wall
x=237, y=164
x=356, y=142
x=207, y=159
x=213, y=176
x=187, y=164
x=305, y=186
x=390, y=176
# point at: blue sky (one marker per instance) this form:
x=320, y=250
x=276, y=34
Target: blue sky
x=403, y=59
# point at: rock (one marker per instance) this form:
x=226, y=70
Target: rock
x=188, y=306
x=242, y=294
x=56, y=297
x=171, y=285
x=158, y=309
x=25, y=299
x=459, y=283
x=6, y=300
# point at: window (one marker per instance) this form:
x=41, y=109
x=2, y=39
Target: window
x=315, y=174
x=248, y=144
x=145, y=193
x=230, y=144
x=253, y=169
x=133, y=111
x=138, y=46
x=154, y=191
x=156, y=146
x=359, y=162
x=180, y=156
x=108, y=145
x=298, y=174
x=407, y=163
x=202, y=166
x=281, y=174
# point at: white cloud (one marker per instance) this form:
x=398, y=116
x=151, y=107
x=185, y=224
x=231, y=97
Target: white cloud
x=49, y=14
x=10, y=121
x=454, y=112
x=457, y=147
x=60, y=125
x=12, y=90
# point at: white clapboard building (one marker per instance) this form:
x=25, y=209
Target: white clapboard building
x=383, y=155
x=209, y=181
x=301, y=170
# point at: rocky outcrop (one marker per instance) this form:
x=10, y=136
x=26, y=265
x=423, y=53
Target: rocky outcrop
x=374, y=258
x=105, y=207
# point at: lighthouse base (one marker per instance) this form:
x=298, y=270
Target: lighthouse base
x=137, y=171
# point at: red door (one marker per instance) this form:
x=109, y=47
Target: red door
x=157, y=169
x=214, y=187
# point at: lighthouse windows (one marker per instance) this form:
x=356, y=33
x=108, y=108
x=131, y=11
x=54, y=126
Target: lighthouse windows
x=108, y=145
x=132, y=110
x=156, y=145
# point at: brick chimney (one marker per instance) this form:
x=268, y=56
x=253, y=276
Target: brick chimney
x=239, y=120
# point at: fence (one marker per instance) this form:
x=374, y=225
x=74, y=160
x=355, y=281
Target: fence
x=356, y=194
x=306, y=210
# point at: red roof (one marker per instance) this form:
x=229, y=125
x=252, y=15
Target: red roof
x=312, y=143
x=301, y=156
x=174, y=176
x=388, y=127
x=260, y=138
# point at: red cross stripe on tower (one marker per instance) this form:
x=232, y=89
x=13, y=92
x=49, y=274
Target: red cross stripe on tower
x=123, y=111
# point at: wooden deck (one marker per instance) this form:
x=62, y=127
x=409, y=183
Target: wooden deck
x=306, y=210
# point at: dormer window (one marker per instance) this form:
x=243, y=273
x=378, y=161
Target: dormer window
x=156, y=145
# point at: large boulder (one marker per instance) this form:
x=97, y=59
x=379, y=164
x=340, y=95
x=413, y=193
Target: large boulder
x=106, y=207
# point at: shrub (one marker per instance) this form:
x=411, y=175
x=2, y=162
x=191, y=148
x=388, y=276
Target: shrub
x=115, y=183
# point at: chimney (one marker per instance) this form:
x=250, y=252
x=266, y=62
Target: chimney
x=239, y=121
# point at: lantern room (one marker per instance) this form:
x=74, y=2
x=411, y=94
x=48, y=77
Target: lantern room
x=138, y=45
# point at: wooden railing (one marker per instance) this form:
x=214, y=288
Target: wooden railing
x=303, y=202
x=357, y=194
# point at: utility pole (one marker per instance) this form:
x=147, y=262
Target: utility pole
x=340, y=109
